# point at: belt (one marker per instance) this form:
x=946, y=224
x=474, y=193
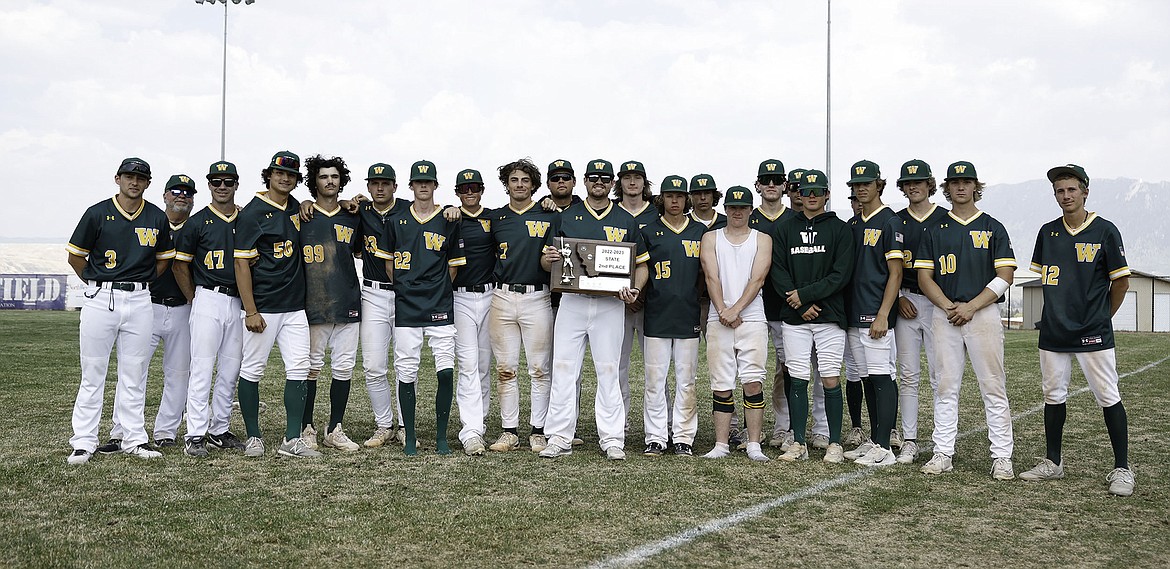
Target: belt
x=128, y=287
x=228, y=290
x=912, y=289
x=474, y=288
x=170, y=301
x=521, y=288
x=378, y=284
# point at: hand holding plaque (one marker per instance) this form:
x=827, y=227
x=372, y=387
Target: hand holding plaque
x=591, y=266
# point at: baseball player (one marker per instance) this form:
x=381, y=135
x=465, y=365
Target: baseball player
x=672, y=321
x=634, y=194
x=736, y=260
x=877, y=275
x=119, y=246
x=426, y=254
x=596, y=319
x=329, y=241
x=474, y=287
x=812, y=279
x=913, y=330
x=203, y=263
x=1084, y=277
x=965, y=265
x=521, y=306
x=270, y=278
x=704, y=197
x=561, y=182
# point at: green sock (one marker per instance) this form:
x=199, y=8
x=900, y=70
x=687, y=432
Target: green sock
x=443, y=408
x=338, y=399
x=833, y=412
x=249, y=394
x=798, y=408
x=310, y=402
x=406, y=400
x=294, y=408
x=870, y=405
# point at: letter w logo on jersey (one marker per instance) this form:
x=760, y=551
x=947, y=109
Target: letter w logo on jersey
x=1086, y=252
x=614, y=233
x=871, y=236
x=537, y=228
x=809, y=237
x=147, y=236
x=981, y=239
x=344, y=234
x=434, y=241
x=690, y=247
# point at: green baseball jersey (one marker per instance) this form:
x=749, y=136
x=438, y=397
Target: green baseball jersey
x=645, y=216
x=964, y=254
x=376, y=242
x=815, y=258
x=328, y=243
x=912, y=231
x=719, y=221
x=165, y=285
x=520, y=237
x=612, y=224
x=121, y=246
x=424, y=249
x=475, y=233
x=672, y=292
x=1076, y=269
x=766, y=224
x=877, y=239
x=207, y=242
x=271, y=235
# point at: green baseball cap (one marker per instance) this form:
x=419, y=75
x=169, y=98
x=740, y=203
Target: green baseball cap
x=287, y=161
x=1069, y=170
x=914, y=170
x=381, y=171
x=961, y=170
x=794, y=178
x=468, y=176
x=673, y=183
x=181, y=181
x=864, y=171
x=771, y=167
x=134, y=165
x=814, y=179
x=222, y=169
x=599, y=166
x=423, y=171
x=702, y=182
x=634, y=167
x=738, y=195
x=561, y=166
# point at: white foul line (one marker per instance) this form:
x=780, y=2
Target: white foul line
x=644, y=552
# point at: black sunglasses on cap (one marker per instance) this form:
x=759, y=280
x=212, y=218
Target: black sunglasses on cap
x=227, y=182
x=771, y=180
x=179, y=191
x=560, y=177
x=468, y=188
x=818, y=192
x=598, y=178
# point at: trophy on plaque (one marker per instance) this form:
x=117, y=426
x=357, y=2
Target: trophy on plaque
x=566, y=262
x=591, y=266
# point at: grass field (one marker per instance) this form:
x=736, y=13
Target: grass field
x=380, y=508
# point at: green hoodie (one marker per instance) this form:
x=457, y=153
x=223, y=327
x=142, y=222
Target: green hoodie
x=814, y=257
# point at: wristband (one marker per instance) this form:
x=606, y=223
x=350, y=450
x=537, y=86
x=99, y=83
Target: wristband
x=998, y=286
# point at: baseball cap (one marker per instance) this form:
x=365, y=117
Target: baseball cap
x=961, y=170
x=423, y=170
x=287, y=161
x=1069, y=170
x=738, y=195
x=468, y=176
x=914, y=170
x=794, y=178
x=771, y=167
x=633, y=166
x=181, y=181
x=381, y=171
x=864, y=171
x=599, y=166
x=814, y=179
x=222, y=169
x=673, y=183
x=560, y=166
x=701, y=182
x=134, y=165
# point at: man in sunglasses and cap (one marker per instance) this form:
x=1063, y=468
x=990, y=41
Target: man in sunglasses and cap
x=120, y=245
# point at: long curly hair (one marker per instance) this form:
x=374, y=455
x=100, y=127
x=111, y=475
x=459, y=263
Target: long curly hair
x=314, y=164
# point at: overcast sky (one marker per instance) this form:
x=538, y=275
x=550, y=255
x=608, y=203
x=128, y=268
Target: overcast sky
x=685, y=87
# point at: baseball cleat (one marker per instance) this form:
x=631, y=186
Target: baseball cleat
x=338, y=440
x=1044, y=470
x=895, y=439
x=797, y=451
x=578, y=441
x=80, y=456
x=164, y=442
x=474, y=446
x=683, y=449
x=297, y=448
x=226, y=441
x=1001, y=469
x=1120, y=482
x=862, y=450
x=142, y=451
x=615, y=453
x=554, y=451
x=195, y=447
x=654, y=449
x=820, y=442
x=254, y=447
x=112, y=446
x=938, y=464
x=854, y=438
x=381, y=436
x=834, y=454
x=909, y=452
x=537, y=442
x=877, y=456
x=506, y=442
x=309, y=435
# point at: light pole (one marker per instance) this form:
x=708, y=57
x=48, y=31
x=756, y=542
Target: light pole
x=829, y=94
x=223, y=94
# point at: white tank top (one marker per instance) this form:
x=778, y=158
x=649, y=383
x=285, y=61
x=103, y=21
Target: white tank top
x=735, y=270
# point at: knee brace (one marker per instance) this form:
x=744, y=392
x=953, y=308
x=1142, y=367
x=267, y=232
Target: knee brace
x=722, y=404
x=753, y=401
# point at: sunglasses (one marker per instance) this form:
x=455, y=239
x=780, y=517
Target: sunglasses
x=598, y=178
x=771, y=180
x=226, y=182
x=468, y=188
x=181, y=192
x=287, y=162
x=560, y=177
x=818, y=192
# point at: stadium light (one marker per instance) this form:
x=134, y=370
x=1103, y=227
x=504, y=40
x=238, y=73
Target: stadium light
x=223, y=94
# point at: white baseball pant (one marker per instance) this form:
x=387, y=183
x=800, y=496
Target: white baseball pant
x=408, y=349
x=911, y=336
x=1100, y=369
x=376, y=332
x=342, y=342
x=683, y=423
x=871, y=356
x=172, y=325
x=473, y=350
x=634, y=325
x=740, y=352
x=290, y=332
x=217, y=329
x=800, y=341
x=515, y=319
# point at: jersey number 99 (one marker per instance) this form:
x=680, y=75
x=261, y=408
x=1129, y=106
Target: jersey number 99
x=314, y=253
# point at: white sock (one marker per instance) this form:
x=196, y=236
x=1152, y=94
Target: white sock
x=755, y=453
x=721, y=450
